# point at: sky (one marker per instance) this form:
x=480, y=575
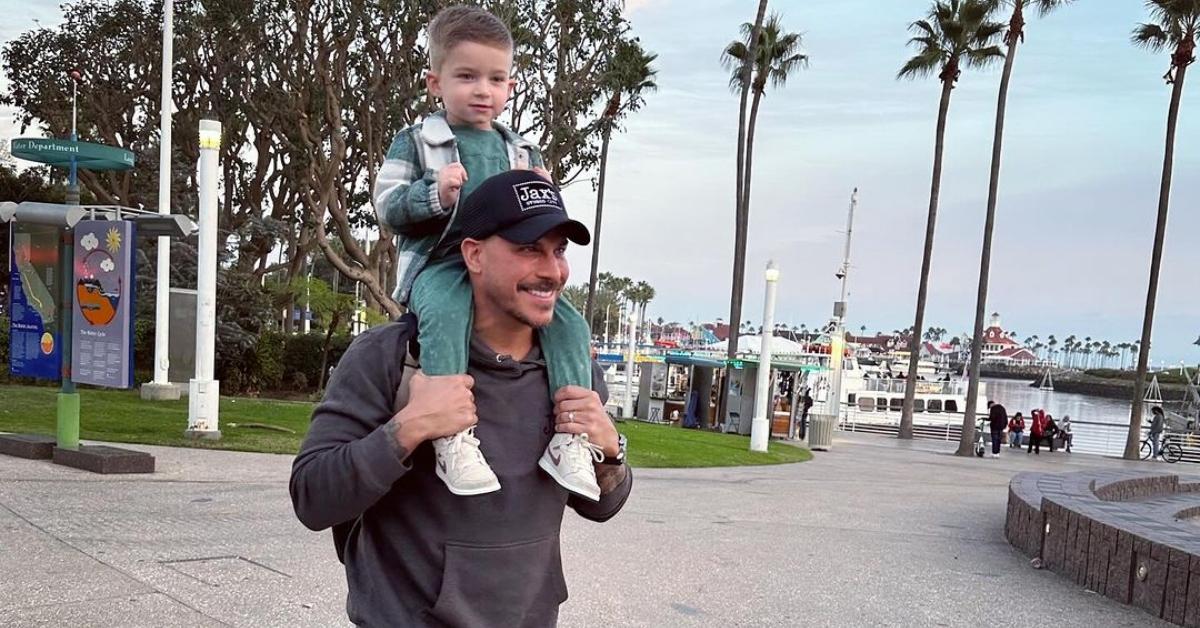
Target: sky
x=1078, y=192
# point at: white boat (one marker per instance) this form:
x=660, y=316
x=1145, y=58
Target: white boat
x=876, y=395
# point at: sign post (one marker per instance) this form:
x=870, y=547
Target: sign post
x=70, y=154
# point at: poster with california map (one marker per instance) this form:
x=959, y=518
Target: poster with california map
x=33, y=283
x=101, y=352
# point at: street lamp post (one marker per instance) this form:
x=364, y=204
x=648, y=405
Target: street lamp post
x=760, y=427
x=837, y=342
x=628, y=409
x=203, y=390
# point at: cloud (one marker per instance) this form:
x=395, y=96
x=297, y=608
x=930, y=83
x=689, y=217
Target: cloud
x=89, y=242
x=107, y=265
x=632, y=6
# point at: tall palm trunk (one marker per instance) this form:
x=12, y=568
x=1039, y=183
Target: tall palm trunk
x=739, y=241
x=914, y=338
x=590, y=308
x=1133, y=440
x=745, y=218
x=739, y=237
x=967, y=439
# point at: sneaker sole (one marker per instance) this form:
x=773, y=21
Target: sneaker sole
x=549, y=468
x=466, y=492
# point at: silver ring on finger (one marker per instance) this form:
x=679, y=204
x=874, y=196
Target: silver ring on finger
x=571, y=416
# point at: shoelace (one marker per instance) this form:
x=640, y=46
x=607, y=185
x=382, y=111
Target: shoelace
x=594, y=451
x=456, y=444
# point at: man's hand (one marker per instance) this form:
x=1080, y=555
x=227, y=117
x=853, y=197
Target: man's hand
x=578, y=410
x=437, y=406
x=450, y=180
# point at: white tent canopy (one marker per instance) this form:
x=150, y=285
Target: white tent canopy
x=753, y=344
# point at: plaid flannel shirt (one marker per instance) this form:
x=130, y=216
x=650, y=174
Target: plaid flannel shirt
x=406, y=191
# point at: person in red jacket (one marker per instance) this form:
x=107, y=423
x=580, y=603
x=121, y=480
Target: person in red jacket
x=1037, y=430
x=1016, y=427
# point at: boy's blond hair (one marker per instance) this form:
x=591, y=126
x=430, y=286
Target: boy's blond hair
x=461, y=23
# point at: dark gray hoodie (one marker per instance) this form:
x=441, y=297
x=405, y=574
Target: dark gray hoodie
x=422, y=556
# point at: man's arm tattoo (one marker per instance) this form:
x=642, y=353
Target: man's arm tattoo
x=609, y=477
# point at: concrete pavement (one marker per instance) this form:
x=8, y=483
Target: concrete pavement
x=875, y=532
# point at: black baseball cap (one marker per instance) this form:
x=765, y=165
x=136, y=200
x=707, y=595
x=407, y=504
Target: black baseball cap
x=519, y=206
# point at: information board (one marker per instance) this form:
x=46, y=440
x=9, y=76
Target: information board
x=34, y=340
x=102, y=351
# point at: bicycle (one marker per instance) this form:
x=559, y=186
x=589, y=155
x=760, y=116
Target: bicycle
x=1168, y=450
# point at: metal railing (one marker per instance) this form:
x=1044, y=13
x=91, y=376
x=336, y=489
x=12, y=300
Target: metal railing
x=1090, y=437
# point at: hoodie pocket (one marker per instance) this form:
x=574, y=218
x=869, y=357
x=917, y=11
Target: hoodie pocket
x=519, y=584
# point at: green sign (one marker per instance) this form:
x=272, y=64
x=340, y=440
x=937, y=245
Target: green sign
x=60, y=152
x=736, y=364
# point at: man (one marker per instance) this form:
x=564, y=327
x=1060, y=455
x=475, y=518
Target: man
x=806, y=406
x=997, y=421
x=1156, y=430
x=417, y=555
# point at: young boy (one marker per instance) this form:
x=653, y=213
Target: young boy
x=429, y=168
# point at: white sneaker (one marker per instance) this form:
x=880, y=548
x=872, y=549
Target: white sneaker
x=461, y=465
x=995, y=455
x=568, y=459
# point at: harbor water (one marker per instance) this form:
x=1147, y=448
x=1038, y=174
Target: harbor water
x=1100, y=424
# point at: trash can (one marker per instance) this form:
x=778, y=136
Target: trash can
x=820, y=431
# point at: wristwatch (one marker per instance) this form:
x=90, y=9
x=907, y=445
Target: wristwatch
x=620, y=457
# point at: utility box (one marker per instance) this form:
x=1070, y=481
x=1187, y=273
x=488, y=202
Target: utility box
x=652, y=392
x=739, y=408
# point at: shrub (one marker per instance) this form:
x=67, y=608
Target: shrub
x=143, y=344
x=269, y=359
x=298, y=381
x=302, y=354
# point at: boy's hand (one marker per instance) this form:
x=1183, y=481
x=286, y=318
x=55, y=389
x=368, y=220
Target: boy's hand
x=437, y=406
x=450, y=182
x=578, y=410
x=542, y=172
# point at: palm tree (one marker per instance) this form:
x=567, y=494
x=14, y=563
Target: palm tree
x=739, y=239
x=1176, y=26
x=767, y=54
x=641, y=294
x=626, y=79
x=1012, y=38
x=956, y=34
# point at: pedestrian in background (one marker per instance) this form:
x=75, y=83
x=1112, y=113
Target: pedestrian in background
x=997, y=421
x=1016, y=427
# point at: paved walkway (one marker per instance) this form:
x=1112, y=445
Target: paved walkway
x=876, y=532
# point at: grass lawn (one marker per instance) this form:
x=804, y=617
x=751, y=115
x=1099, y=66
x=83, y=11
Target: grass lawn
x=121, y=416
x=653, y=445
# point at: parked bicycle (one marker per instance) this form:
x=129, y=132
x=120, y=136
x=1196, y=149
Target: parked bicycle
x=1168, y=450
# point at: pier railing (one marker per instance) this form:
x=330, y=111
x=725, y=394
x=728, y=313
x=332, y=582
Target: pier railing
x=1089, y=437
